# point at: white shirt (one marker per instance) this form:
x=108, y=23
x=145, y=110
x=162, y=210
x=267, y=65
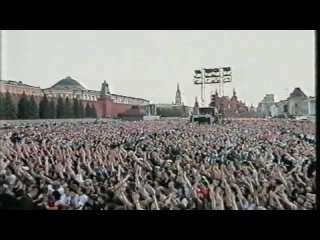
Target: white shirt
x=65, y=200
x=81, y=201
x=51, y=190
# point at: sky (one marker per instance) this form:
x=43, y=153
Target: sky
x=149, y=64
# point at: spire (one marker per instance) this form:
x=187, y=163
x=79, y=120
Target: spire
x=178, y=96
x=105, y=88
x=196, y=104
x=234, y=96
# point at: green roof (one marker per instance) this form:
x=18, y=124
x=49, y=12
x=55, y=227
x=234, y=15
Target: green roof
x=68, y=83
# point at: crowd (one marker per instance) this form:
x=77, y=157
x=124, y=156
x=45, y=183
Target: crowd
x=160, y=165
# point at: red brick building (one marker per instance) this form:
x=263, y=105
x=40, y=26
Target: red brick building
x=231, y=107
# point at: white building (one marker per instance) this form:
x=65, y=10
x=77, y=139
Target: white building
x=295, y=99
x=273, y=110
x=307, y=107
x=265, y=105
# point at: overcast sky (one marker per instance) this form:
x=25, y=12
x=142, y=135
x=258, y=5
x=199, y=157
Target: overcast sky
x=149, y=64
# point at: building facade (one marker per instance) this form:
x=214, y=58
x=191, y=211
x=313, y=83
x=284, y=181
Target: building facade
x=282, y=107
x=231, y=107
x=265, y=105
x=297, y=104
x=294, y=102
x=106, y=104
x=306, y=107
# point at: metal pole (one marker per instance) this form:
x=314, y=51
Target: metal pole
x=221, y=82
x=202, y=87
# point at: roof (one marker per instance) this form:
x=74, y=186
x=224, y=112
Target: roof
x=118, y=95
x=15, y=83
x=68, y=83
x=297, y=92
x=134, y=111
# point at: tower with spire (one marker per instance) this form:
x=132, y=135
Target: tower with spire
x=104, y=89
x=234, y=96
x=178, y=100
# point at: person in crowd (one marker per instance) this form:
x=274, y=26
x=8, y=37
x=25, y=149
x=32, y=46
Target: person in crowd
x=246, y=164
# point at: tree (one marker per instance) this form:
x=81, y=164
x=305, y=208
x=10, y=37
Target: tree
x=23, y=107
x=44, y=108
x=1, y=106
x=76, y=108
x=60, y=108
x=81, y=109
x=33, y=111
x=9, y=108
x=88, y=111
x=52, y=109
x=68, y=111
x=93, y=111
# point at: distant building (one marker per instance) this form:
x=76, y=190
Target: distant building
x=306, y=107
x=231, y=107
x=17, y=88
x=106, y=104
x=297, y=104
x=265, y=105
x=282, y=107
x=195, y=109
x=178, y=100
x=294, y=100
x=176, y=109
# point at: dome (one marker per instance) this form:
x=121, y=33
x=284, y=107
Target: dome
x=68, y=83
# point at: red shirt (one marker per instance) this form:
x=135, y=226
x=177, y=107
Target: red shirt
x=204, y=192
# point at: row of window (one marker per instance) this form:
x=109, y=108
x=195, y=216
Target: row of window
x=64, y=95
x=21, y=90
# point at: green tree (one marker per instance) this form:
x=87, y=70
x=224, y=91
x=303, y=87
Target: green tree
x=88, y=111
x=1, y=106
x=9, y=107
x=34, y=110
x=68, y=111
x=76, y=109
x=52, y=109
x=81, y=109
x=93, y=111
x=60, y=108
x=44, y=108
x=23, y=107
